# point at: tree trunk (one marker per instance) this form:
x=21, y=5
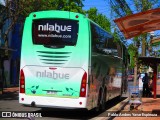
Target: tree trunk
x=144, y=46
x=135, y=71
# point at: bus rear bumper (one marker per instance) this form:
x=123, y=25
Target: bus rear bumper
x=52, y=102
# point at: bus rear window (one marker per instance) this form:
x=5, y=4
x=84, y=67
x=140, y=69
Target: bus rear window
x=55, y=32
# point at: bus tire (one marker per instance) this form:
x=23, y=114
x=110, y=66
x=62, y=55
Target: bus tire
x=103, y=101
x=98, y=107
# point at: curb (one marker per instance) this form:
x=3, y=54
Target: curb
x=115, y=109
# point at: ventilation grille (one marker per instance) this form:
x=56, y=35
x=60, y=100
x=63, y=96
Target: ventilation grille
x=53, y=58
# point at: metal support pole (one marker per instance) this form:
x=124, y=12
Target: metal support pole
x=155, y=81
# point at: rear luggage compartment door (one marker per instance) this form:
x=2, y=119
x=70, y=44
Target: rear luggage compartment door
x=53, y=82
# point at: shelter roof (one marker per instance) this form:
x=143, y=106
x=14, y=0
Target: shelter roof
x=149, y=60
x=136, y=24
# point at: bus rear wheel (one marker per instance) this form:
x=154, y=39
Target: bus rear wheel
x=103, y=101
x=101, y=104
x=98, y=103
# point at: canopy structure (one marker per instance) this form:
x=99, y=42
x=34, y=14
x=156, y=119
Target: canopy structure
x=149, y=60
x=136, y=24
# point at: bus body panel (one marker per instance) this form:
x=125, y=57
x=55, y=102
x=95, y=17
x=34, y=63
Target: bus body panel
x=106, y=68
x=54, y=72
x=52, y=82
x=52, y=102
x=105, y=76
x=73, y=56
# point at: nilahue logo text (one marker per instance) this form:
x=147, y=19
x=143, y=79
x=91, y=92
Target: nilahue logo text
x=52, y=75
x=55, y=27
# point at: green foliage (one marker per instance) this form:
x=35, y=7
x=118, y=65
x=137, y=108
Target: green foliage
x=29, y=6
x=143, y=5
x=100, y=19
x=24, y=7
x=132, y=49
x=116, y=36
x=138, y=6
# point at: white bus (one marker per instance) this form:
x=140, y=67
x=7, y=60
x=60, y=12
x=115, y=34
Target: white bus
x=68, y=61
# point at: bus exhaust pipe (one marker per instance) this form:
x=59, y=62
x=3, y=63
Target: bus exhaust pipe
x=33, y=104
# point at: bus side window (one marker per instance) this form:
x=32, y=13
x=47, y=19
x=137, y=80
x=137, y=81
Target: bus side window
x=102, y=42
x=95, y=38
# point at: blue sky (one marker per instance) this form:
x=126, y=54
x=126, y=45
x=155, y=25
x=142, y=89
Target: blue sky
x=2, y=2
x=102, y=6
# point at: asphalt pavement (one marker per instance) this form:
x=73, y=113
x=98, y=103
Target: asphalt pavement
x=149, y=108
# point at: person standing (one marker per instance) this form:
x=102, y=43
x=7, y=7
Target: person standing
x=145, y=80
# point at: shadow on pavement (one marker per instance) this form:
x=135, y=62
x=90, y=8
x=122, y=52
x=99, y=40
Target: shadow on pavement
x=9, y=95
x=77, y=113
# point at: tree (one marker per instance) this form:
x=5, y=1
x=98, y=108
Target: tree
x=138, y=6
x=100, y=19
x=29, y=6
x=18, y=10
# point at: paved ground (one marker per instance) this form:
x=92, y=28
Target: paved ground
x=148, y=107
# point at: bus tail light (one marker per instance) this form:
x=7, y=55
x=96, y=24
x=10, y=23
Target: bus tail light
x=83, y=85
x=22, y=82
x=77, y=16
